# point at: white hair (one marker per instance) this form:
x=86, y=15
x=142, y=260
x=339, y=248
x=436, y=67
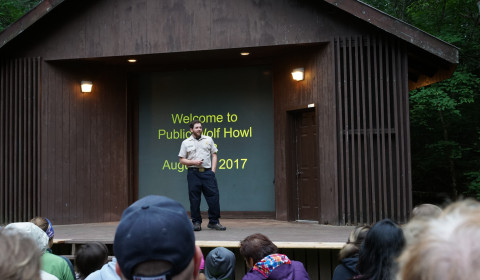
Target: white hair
x=446, y=247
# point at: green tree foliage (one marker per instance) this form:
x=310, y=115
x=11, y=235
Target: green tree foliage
x=445, y=117
x=456, y=22
x=473, y=176
x=444, y=124
x=11, y=10
x=396, y=8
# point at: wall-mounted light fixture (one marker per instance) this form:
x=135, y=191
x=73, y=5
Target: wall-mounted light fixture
x=86, y=86
x=298, y=74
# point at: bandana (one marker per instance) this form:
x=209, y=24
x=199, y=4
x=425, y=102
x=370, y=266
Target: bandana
x=49, y=230
x=269, y=263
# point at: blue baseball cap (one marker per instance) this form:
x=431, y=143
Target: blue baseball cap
x=154, y=228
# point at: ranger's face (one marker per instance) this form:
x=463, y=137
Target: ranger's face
x=196, y=130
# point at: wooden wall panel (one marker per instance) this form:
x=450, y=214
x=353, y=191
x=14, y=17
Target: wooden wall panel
x=373, y=125
x=290, y=96
x=19, y=138
x=127, y=27
x=84, y=159
x=326, y=122
x=109, y=28
x=195, y=17
x=319, y=263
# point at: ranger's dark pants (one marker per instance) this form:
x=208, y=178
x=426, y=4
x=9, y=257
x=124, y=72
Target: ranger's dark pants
x=206, y=183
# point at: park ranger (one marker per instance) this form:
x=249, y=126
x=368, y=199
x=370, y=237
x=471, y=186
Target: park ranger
x=199, y=154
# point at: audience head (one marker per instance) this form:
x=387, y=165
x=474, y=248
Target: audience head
x=220, y=264
x=155, y=238
x=382, y=245
x=255, y=247
x=447, y=247
x=426, y=210
x=20, y=257
x=354, y=242
x=419, y=216
x=32, y=231
x=45, y=225
x=90, y=257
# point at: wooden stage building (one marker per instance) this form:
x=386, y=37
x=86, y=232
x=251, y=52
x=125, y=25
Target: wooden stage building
x=332, y=147
x=313, y=244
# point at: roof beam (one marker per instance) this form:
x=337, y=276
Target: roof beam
x=27, y=20
x=399, y=29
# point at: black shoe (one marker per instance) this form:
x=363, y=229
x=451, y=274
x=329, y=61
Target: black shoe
x=197, y=227
x=217, y=226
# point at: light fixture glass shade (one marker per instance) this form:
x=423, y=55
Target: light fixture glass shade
x=298, y=74
x=86, y=86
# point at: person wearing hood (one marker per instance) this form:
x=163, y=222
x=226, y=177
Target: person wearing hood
x=348, y=255
x=22, y=245
x=264, y=262
x=220, y=264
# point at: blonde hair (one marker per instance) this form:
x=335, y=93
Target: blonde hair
x=420, y=215
x=426, y=210
x=354, y=241
x=20, y=258
x=447, y=247
x=41, y=222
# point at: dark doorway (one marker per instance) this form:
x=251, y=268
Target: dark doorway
x=306, y=165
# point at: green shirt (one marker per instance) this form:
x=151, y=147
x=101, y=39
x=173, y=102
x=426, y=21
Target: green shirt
x=57, y=266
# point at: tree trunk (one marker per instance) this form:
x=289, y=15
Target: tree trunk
x=451, y=162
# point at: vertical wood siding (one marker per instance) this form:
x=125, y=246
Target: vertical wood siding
x=373, y=130
x=84, y=157
x=289, y=96
x=19, y=138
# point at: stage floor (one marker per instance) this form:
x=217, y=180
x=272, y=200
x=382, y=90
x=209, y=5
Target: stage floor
x=283, y=234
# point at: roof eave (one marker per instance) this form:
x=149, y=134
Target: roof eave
x=356, y=8
x=399, y=28
x=27, y=20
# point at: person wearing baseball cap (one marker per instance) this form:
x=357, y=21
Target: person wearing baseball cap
x=154, y=240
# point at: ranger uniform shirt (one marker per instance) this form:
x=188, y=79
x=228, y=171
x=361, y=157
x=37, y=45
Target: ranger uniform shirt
x=201, y=149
